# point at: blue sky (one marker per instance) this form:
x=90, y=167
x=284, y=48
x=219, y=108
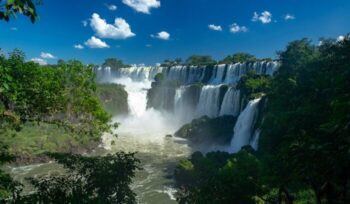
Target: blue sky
x=149, y=31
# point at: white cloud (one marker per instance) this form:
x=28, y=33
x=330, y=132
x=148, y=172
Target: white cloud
x=46, y=55
x=78, y=46
x=111, y=7
x=264, y=17
x=162, y=35
x=120, y=30
x=143, y=6
x=94, y=42
x=289, y=17
x=340, y=38
x=215, y=27
x=39, y=61
x=235, y=28
x=85, y=23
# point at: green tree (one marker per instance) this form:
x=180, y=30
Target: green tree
x=114, y=63
x=9, y=9
x=104, y=179
x=239, y=57
x=199, y=60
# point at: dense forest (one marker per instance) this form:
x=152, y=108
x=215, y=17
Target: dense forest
x=59, y=108
x=303, y=154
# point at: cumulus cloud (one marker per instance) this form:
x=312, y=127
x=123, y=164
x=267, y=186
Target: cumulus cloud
x=340, y=38
x=78, y=46
x=215, y=27
x=94, y=42
x=111, y=7
x=142, y=6
x=162, y=35
x=235, y=28
x=39, y=61
x=46, y=55
x=289, y=17
x=264, y=17
x=119, y=30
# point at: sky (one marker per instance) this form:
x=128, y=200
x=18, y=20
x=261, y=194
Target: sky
x=150, y=31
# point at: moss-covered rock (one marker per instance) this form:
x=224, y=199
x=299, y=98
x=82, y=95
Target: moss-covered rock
x=208, y=130
x=114, y=98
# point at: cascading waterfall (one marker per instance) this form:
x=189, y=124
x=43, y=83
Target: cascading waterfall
x=183, y=111
x=243, y=129
x=220, y=74
x=189, y=101
x=231, y=103
x=209, y=101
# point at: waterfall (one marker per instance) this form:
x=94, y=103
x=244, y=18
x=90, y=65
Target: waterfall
x=243, y=129
x=255, y=140
x=218, y=75
x=209, y=101
x=183, y=111
x=231, y=103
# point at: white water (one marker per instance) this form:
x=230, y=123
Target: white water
x=144, y=131
x=243, y=129
x=209, y=101
x=254, y=143
x=190, y=74
x=183, y=111
x=231, y=103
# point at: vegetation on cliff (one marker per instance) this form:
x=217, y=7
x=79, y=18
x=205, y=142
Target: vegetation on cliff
x=114, y=98
x=303, y=155
x=57, y=108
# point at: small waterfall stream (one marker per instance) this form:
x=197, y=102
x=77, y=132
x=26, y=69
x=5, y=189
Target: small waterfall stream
x=243, y=129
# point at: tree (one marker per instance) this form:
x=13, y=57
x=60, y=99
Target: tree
x=239, y=57
x=87, y=180
x=198, y=60
x=10, y=8
x=114, y=63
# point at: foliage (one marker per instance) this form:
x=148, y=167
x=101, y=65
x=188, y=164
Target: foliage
x=239, y=57
x=114, y=98
x=114, y=63
x=304, y=145
x=309, y=110
x=63, y=94
x=87, y=180
x=170, y=63
x=8, y=187
x=253, y=86
x=220, y=177
x=198, y=60
x=208, y=130
x=10, y=8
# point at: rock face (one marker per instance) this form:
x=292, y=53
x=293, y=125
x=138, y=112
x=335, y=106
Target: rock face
x=208, y=130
